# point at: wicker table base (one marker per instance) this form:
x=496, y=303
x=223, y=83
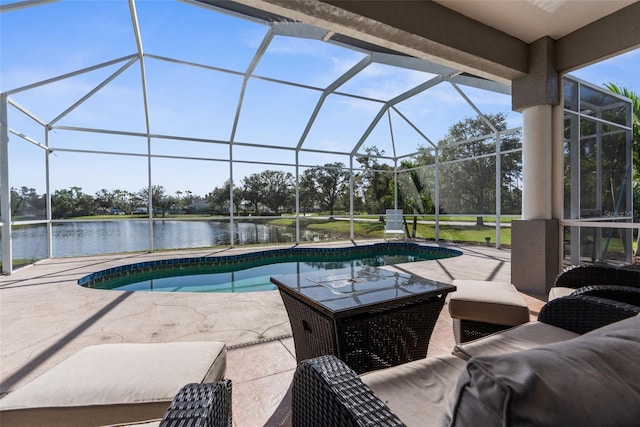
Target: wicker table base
x=367, y=336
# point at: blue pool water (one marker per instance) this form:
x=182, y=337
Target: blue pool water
x=251, y=272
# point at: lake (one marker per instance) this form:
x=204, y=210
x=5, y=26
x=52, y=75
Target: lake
x=101, y=237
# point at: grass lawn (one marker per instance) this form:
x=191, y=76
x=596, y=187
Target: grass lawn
x=452, y=233
x=374, y=229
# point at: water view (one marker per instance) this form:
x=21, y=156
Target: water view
x=100, y=237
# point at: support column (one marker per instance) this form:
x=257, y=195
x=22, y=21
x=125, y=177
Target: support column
x=534, y=247
x=537, y=162
x=535, y=239
x=534, y=255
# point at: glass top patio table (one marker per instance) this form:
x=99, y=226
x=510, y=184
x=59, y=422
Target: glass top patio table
x=354, y=290
x=369, y=317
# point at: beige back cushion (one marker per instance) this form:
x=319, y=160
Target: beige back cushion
x=523, y=337
x=417, y=392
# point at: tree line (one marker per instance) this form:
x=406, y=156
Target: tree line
x=467, y=179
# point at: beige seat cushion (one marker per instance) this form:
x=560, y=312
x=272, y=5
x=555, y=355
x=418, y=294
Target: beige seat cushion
x=559, y=292
x=417, y=392
x=113, y=383
x=523, y=337
x=590, y=380
x=490, y=302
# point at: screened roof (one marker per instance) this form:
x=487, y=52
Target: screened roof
x=108, y=77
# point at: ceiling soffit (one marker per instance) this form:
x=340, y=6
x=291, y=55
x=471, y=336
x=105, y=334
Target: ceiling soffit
x=491, y=41
x=490, y=54
x=530, y=20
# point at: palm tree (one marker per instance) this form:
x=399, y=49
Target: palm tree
x=635, y=102
x=412, y=185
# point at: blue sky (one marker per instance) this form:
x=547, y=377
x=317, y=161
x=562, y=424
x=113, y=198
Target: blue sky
x=623, y=70
x=43, y=42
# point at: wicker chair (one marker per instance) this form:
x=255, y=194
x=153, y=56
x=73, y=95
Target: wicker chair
x=583, y=275
x=577, y=276
x=326, y=392
x=626, y=294
x=200, y=405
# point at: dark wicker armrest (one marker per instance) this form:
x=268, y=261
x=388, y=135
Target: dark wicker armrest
x=583, y=275
x=584, y=313
x=200, y=405
x=326, y=392
x=626, y=294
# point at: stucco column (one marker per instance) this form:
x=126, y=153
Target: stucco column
x=537, y=162
x=535, y=238
x=534, y=248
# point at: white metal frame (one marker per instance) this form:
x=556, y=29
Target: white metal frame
x=575, y=221
x=444, y=74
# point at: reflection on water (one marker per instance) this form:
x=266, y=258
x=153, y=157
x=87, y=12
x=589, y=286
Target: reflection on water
x=239, y=277
x=100, y=237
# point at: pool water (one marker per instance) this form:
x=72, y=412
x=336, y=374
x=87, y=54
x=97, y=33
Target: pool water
x=251, y=272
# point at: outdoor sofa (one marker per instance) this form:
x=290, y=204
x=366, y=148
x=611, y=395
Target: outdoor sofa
x=576, y=365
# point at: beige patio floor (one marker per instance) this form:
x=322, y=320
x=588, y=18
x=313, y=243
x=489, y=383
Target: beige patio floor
x=45, y=317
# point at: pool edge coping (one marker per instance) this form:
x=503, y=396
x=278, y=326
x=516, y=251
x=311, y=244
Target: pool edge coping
x=133, y=268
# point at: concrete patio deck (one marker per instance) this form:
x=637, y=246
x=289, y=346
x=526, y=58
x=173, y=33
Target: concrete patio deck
x=45, y=317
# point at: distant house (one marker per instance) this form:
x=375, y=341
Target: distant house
x=199, y=206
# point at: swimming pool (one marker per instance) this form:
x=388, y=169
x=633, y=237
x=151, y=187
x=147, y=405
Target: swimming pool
x=251, y=272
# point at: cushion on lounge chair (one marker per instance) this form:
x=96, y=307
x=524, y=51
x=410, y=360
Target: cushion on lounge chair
x=113, y=383
x=488, y=301
x=523, y=337
x=588, y=380
x=559, y=292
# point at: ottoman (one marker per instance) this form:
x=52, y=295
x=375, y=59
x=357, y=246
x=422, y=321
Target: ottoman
x=113, y=384
x=480, y=308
